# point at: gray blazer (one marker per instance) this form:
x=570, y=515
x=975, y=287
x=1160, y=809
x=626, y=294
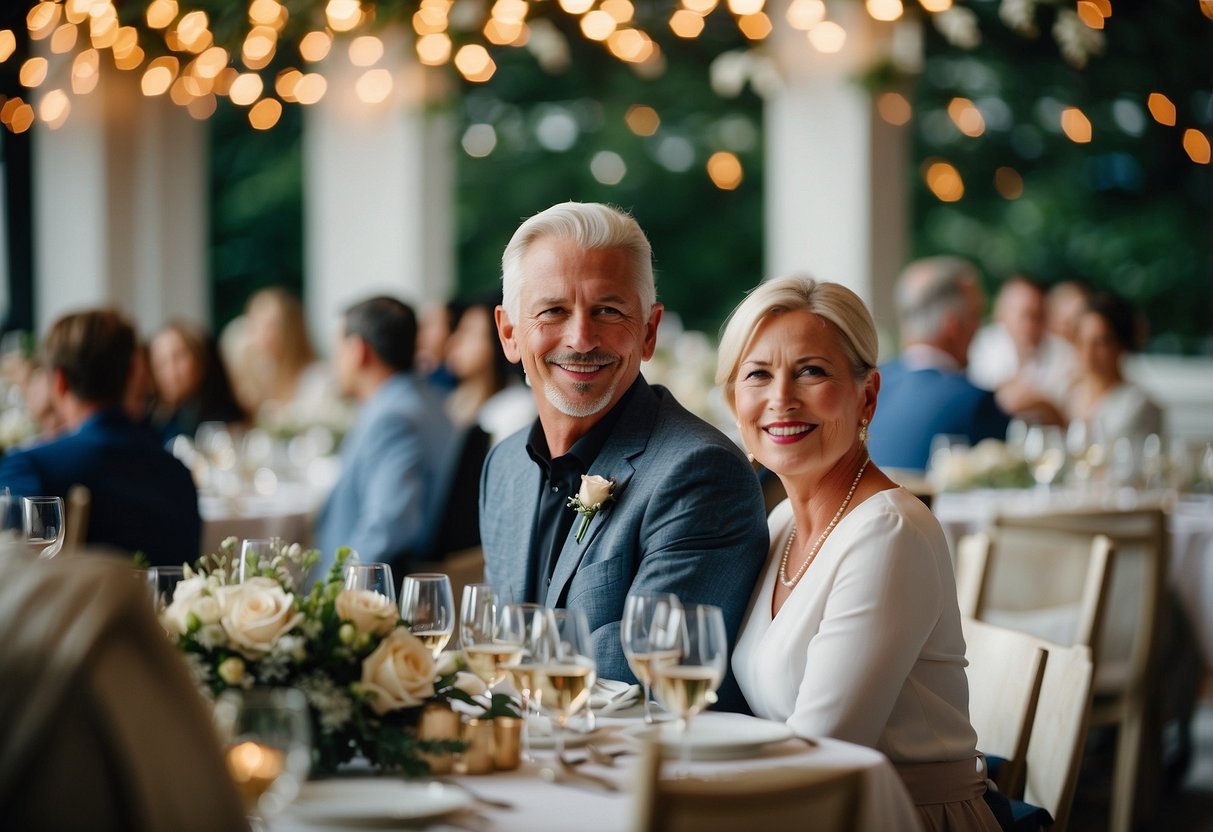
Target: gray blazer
x=687, y=518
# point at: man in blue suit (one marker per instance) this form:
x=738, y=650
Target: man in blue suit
x=396, y=458
x=925, y=392
x=685, y=514
x=143, y=500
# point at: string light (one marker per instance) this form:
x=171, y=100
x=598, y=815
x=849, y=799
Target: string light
x=1075, y=125
x=725, y=171
x=894, y=108
x=1162, y=108
x=944, y=180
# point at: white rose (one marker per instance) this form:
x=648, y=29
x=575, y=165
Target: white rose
x=191, y=597
x=255, y=613
x=447, y=663
x=594, y=490
x=399, y=673
x=367, y=610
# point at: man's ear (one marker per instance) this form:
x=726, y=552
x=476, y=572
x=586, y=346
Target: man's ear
x=505, y=332
x=59, y=383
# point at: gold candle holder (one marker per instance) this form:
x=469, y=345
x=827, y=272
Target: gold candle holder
x=507, y=743
x=438, y=722
x=478, y=756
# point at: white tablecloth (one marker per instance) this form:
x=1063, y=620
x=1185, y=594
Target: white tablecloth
x=1189, y=521
x=539, y=805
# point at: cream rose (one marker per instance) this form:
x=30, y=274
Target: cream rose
x=191, y=598
x=594, y=491
x=369, y=611
x=255, y=613
x=399, y=673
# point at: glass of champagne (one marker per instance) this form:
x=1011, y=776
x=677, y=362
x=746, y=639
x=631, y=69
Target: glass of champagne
x=371, y=577
x=267, y=732
x=687, y=683
x=565, y=669
x=486, y=654
x=42, y=522
x=645, y=621
x=523, y=624
x=428, y=606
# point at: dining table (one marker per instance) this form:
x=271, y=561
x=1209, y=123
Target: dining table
x=540, y=795
x=1189, y=520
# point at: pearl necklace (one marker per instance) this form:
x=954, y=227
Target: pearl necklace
x=787, y=550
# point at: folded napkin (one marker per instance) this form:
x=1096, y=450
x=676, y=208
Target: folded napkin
x=609, y=695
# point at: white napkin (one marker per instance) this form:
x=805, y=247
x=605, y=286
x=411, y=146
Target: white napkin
x=609, y=695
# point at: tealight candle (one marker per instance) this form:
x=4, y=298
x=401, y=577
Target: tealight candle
x=254, y=768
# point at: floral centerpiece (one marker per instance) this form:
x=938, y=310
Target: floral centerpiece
x=365, y=676
x=989, y=464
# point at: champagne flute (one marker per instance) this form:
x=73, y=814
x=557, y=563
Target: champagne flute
x=428, y=606
x=645, y=619
x=268, y=736
x=523, y=624
x=371, y=577
x=565, y=671
x=687, y=683
x=486, y=655
x=42, y=522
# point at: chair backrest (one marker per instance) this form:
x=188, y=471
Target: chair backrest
x=1126, y=641
x=1006, y=669
x=1060, y=731
x=1048, y=582
x=825, y=800
x=75, y=524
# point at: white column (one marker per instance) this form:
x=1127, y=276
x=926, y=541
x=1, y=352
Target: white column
x=120, y=208
x=836, y=195
x=378, y=192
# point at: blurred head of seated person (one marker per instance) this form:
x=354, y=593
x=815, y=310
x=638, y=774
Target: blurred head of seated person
x=925, y=391
x=278, y=364
x=489, y=392
x=1064, y=304
x=191, y=381
x=143, y=500
x=40, y=403
x=396, y=457
x=104, y=729
x=853, y=630
x=1029, y=367
x=435, y=328
x=1107, y=330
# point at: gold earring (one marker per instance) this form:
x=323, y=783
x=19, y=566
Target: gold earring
x=863, y=430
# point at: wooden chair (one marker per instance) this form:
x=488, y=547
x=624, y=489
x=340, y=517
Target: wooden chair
x=75, y=522
x=1125, y=645
x=825, y=800
x=1006, y=669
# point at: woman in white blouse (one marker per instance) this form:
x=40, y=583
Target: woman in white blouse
x=853, y=631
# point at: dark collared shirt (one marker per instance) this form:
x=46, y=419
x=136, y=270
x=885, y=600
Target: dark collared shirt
x=560, y=480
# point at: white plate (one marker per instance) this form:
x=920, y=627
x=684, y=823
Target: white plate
x=375, y=799
x=713, y=736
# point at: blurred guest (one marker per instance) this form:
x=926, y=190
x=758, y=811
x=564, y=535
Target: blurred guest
x=277, y=363
x=40, y=403
x=489, y=392
x=853, y=630
x=395, y=460
x=1101, y=396
x=925, y=392
x=1064, y=305
x=142, y=498
x=434, y=331
x=1029, y=367
x=140, y=395
x=192, y=384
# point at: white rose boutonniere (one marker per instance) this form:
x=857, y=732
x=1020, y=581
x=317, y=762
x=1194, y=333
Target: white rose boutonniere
x=594, y=493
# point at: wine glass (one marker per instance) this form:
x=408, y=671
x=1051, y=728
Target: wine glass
x=1045, y=451
x=162, y=583
x=253, y=552
x=688, y=682
x=565, y=669
x=523, y=624
x=42, y=522
x=371, y=577
x=487, y=656
x=645, y=619
x=268, y=736
x=428, y=606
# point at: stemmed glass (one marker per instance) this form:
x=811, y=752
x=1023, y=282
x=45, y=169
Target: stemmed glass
x=523, y=624
x=268, y=736
x=487, y=656
x=162, y=583
x=371, y=577
x=565, y=669
x=645, y=620
x=252, y=552
x=42, y=522
x=428, y=606
x=688, y=682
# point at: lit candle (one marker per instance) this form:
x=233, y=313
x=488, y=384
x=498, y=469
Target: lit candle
x=254, y=767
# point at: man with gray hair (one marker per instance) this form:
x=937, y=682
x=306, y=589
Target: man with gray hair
x=924, y=392
x=677, y=509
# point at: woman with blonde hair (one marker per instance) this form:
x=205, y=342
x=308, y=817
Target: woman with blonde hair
x=853, y=630
x=278, y=364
